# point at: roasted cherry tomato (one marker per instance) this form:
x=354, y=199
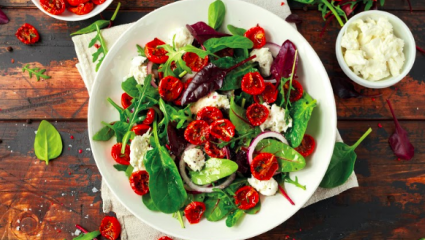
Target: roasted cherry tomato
x=126, y=100
x=253, y=83
x=269, y=95
x=246, y=197
x=257, y=114
x=54, y=7
x=154, y=54
x=118, y=157
x=178, y=102
x=307, y=146
x=173, y=67
x=140, y=129
x=150, y=116
x=257, y=36
x=194, y=212
x=76, y=2
x=195, y=62
x=227, y=52
x=170, y=88
x=110, y=228
x=209, y=114
x=82, y=9
x=27, y=34
x=98, y=2
x=197, y=132
x=165, y=238
x=264, y=166
x=297, y=91
x=222, y=129
x=139, y=182
x=213, y=151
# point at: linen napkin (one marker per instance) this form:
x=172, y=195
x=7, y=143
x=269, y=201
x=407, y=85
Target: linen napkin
x=133, y=228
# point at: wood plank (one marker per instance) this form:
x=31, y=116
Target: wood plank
x=50, y=200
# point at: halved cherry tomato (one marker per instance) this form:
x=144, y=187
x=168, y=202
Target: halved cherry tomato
x=257, y=114
x=139, y=182
x=110, y=228
x=253, y=83
x=296, y=93
x=197, y=132
x=269, y=95
x=257, y=36
x=140, y=129
x=150, y=116
x=156, y=55
x=76, y=2
x=222, y=129
x=213, y=151
x=178, y=102
x=27, y=34
x=98, y=2
x=246, y=197
x=54, y=7
x=170, y=88
x=82, y=9
x=126, y=100
x=195, y=62
x=263, y=166
x=194, y=212
x=165, y=238
x=123, y=159
x=307, y=146
x=209, y=114
x=227, y=52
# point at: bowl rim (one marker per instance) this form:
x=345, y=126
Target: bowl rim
x=408, y=64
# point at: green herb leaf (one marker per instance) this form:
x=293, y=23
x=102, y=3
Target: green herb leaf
x=121, y=167
x=129, y=86
x=237, y=116
x=48, y=142
x=236, y=31
x=140, y=50
x=101, y=50
x=87, y=236
x=234, y=217
x=36, y=71
x=104, y=134
x=147, y=200
x=216, y=13
x=120, y=129
x=215, y=209
x=216, y=44
x=255, y=209
x=214, y=170
x=342, y=163
x=129, y=171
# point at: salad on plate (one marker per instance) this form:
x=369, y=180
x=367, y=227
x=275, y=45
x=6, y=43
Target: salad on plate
x=210, y=121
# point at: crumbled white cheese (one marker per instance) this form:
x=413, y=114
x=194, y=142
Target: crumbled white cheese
x=276, y=120
x=138, y=149
x=137, y=70
x=267, y=188
x=264, y=58
x=182, y=37
x=213, y=100
x=194, y=158
x=372, y=50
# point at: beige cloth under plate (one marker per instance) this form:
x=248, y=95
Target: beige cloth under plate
x=133, y=228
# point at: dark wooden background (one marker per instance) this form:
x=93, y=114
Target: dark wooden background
x=45, y=202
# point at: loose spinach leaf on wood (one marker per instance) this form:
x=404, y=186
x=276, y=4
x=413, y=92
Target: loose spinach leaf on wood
x=236, y=31
x=214, y=170
x=48, y=142
x=216, y=44
x=342, y=163
x=216, y=13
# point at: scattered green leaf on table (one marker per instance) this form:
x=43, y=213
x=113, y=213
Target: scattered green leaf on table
x=216, y=13
x=214, y=170
x=38, y=74
x=48, y=142
x=87, y=236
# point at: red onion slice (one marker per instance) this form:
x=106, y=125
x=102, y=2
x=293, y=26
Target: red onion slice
x=270, y=80
x=273, y=47
x=260, y=137
x=149, y=67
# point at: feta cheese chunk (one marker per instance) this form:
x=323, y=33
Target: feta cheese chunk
x=138, y=149
x=276, y=119
x=182, y=37
x=137, y=70
x=194, y=158
x=267, y=188
x=264, y=58
x=212, y=100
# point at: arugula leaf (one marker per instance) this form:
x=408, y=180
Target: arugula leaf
x=236, y=31
x=120, y=129
x=284, y=177
x=100, y=23
x=35, y=71
x=104, y=134
x=101, y=50
x=140, y=50
x=216, y=12
x=87, y=236
x=48, y=142
x=216, y=44
x=213, y=170
x=129, y=86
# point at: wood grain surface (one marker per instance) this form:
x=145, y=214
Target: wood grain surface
x=45, y=202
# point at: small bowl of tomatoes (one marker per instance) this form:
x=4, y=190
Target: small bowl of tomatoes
x=72, y=10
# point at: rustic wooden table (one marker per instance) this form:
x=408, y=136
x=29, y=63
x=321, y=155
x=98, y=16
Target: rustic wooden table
x=45, y=202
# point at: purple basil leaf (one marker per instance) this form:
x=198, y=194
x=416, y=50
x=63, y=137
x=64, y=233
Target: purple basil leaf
x=344, y=89
x=294, y=18
x=282, y=64
x=176, y=142
x=3, y=18
x=399, y=142
x=202, y=32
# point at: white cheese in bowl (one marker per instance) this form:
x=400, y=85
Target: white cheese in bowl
x=371, y=49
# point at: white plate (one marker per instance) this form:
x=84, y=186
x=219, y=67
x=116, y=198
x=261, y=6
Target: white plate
x=275, y=210
x=69, y=16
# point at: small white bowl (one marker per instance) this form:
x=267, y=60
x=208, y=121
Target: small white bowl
x=69, y=16
x=401, y=30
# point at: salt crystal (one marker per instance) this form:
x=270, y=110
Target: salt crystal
x=17, y=228
x=87, y=216
x=35, y=132
x=18, y=221
x=95, y=189
x=77, y=232
x=88, y=149
x=70, y=145
x=63, y=194
x=8, y=146
x=91, y=205
x=41, y=205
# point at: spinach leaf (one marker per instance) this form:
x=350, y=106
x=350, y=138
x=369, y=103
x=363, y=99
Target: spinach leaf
x=87, y=236
x=129, y=171
x=342, y=163
x=202, y=32
x=216, y=12
x=149, y=203
x=104, y=134
x=129, y=86
x=199, y=197
x=234, y=218
x=48, y=142
x=234, y=78
x=236, y=31
x=100, y=23
x=216, y=44
x=214, y=170
x=120, y=167
x=300, y=112
x=289, y=159
x=140, y=50
x=216, y=209
x=237, y=116
x=255, y=209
